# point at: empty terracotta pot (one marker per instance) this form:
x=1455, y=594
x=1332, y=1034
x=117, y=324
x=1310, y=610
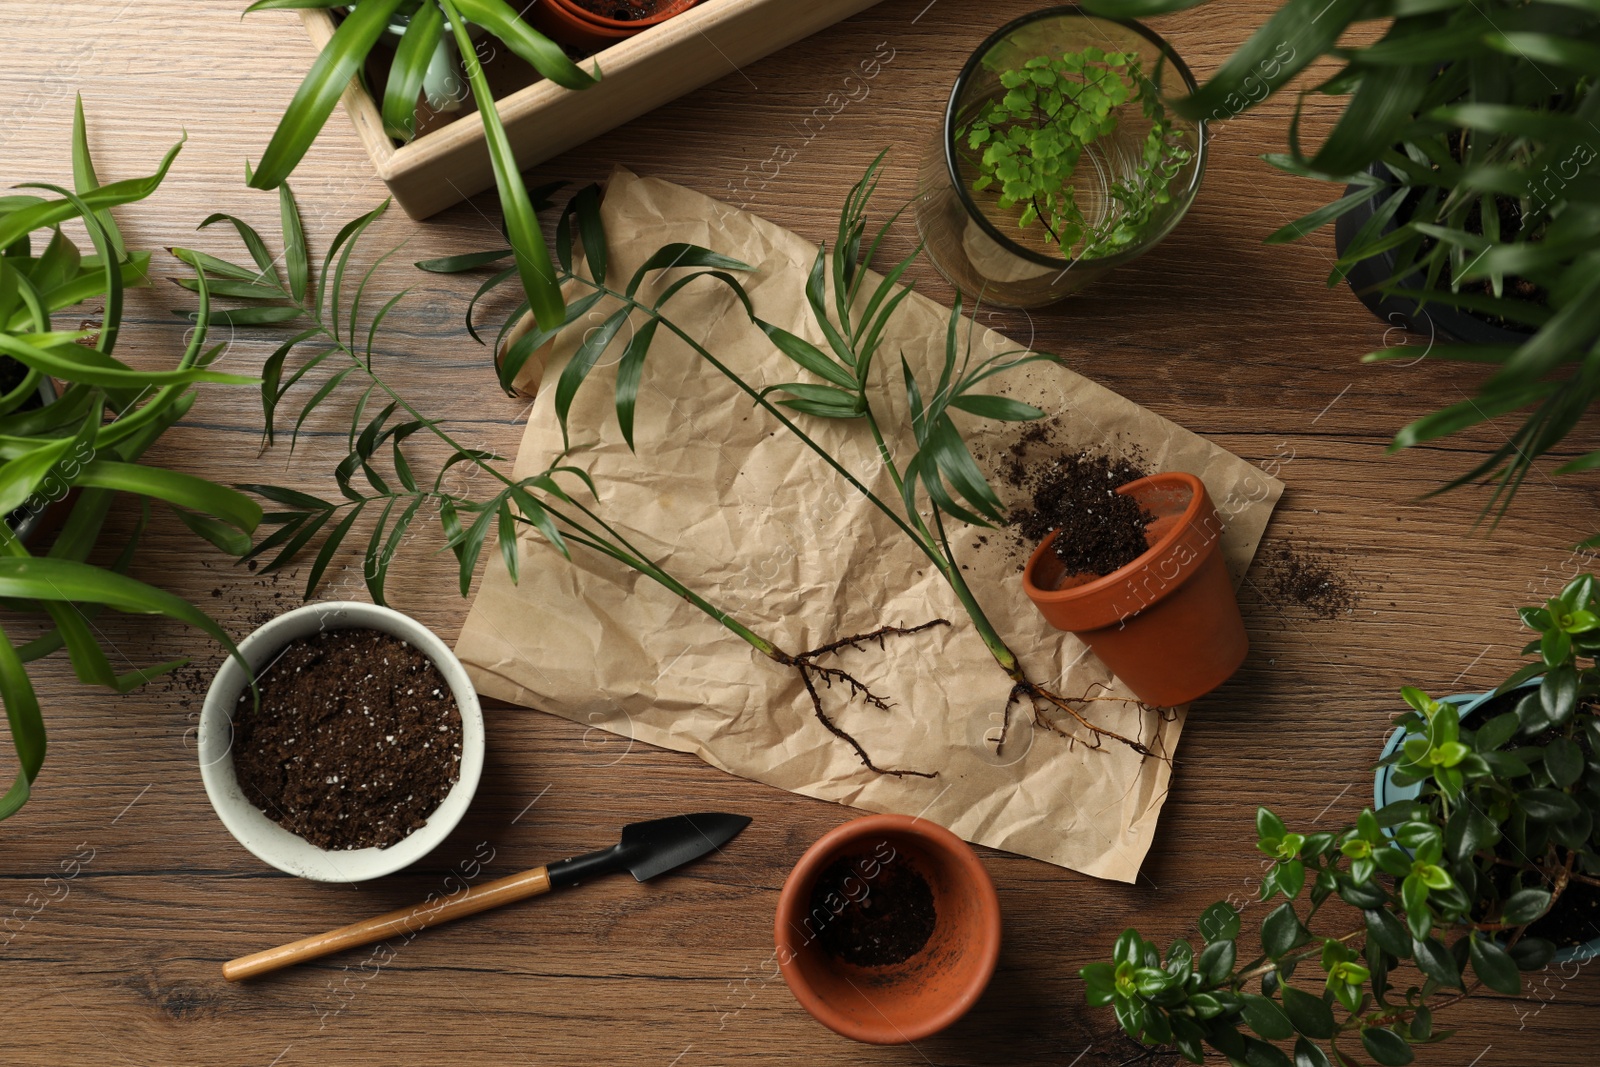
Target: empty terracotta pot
x=1167, y=624
x=923, y=994
x=570, y=23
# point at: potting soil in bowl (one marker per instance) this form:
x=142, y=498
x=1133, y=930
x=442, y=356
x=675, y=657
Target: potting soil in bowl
x=357, y=739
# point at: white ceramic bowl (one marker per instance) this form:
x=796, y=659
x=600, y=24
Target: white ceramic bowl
x=272, y=843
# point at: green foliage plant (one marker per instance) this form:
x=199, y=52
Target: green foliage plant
x=88, y=441
x=1030, y=145
x=1435, y=895
x=333, y=352
x=345, y=57
x=1470, y=127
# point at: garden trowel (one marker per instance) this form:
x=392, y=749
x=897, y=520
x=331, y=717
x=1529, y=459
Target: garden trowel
x=646, y=850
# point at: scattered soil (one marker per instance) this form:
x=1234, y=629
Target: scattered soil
x=625, y=10
x=356, y=741
x=1076, y=493
x=1294, y=574
x=885, y=920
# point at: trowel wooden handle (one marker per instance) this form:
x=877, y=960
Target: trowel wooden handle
x=403, y=921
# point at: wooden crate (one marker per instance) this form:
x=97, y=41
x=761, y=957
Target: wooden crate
x=712, y=39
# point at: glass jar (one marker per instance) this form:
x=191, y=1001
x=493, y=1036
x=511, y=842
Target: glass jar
x=981, y=247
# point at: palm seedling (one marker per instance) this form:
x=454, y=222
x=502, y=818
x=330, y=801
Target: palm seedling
x=87, y=442
x=336, y=349
x=940, y=465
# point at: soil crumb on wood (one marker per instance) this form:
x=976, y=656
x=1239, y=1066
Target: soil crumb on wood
x=1310, y=579
x=877, y=921
x=356, y=741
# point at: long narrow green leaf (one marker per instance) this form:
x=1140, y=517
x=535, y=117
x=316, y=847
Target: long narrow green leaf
x=410, y=66
x=522, y=224
x=314, y=101
x=26, y=723
x=544, y=55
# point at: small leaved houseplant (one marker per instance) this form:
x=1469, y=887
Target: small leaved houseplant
x=1058, y=158
x=87, y=442
x=1029, y=147
x=1490, y=869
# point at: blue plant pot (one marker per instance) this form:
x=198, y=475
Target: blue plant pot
x=1385, y=791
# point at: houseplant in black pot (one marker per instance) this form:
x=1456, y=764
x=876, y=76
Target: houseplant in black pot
x=1465, y=142
x=1492, y=867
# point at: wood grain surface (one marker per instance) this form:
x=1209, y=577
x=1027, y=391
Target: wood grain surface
x=119, y=964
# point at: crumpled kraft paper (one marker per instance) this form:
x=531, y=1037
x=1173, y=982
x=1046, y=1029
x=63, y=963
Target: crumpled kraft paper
x=734, y=506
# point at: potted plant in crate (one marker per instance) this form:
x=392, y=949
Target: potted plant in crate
x=1466, y=142
x=1491, y=867
x=69, y=444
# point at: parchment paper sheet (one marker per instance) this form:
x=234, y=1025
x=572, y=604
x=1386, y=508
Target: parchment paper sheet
x=733, y=505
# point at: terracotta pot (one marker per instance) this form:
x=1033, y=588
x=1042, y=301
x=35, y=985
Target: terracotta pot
x=1168, y=623
x=568, y=22
x=919, y=996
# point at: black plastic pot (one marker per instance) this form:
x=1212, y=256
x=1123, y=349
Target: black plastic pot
x=1438, y=320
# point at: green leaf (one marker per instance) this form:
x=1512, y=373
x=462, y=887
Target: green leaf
x=17, y=224
x=500, y=19
x=175, y=487
x=1386, y=1047
x=538, y=273
x=1548, y=805
x=1216, y=962
x=1435, y=961
x=1266, y=1018
x=1281, y=931
x=674, y=255
x=629, y=373
x=1524, y=906
x=1491, y=964
x=1308, y=1055
x=595, y=342
x=462, y=263
x=1000, y=408
x=1414, y=895
x=319, y=92
x=1563, y=759
x=1559, y=693
x=26, y=724
x=809, y=356
x=296, y=258
x=329, y=547
x=1309, y=1014
x=1387, y=932
x=1219, y=922
x=408, y=69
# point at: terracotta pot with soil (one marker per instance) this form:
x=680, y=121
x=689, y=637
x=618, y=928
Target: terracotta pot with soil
x=590, y=25
x=1140, y=578
x=888, y=929
x=361, y=753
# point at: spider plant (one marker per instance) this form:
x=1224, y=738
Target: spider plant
x=1468, y=130
x=427, y=21
x=89, y=442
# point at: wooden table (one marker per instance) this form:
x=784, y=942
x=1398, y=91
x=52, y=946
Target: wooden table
x=1229, y=337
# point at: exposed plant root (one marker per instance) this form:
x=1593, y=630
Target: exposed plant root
x=811, y=672
x=1042, y=699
